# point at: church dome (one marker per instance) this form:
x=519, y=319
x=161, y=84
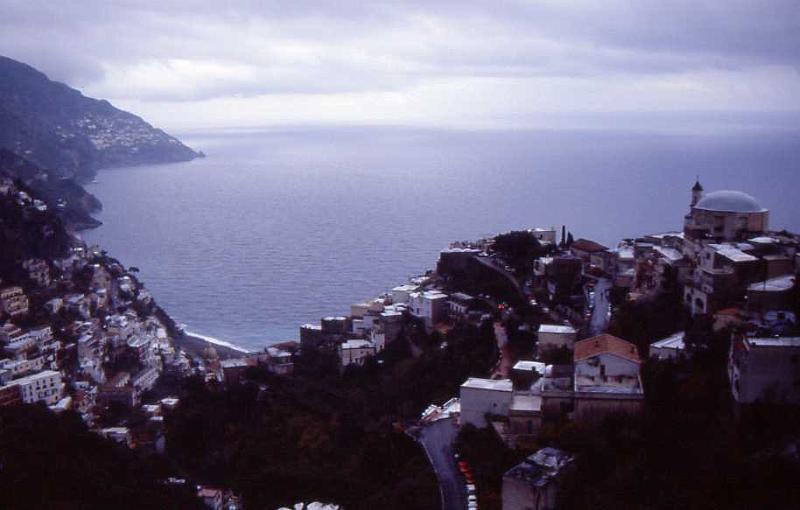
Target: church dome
x=729, y=201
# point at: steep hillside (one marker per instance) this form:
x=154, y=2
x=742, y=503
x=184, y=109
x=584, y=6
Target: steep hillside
x=70, y=135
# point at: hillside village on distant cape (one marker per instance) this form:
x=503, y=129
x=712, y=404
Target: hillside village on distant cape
x=69, y=137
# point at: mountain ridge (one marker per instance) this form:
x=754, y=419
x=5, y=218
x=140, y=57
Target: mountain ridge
x=54, y=139
x=71, y=135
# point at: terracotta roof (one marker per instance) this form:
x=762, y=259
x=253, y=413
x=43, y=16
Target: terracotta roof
x=587, y=245
x=606, y=344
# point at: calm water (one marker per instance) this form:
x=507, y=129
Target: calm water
x=277, y=228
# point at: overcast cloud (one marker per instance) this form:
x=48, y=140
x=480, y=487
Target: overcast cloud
x=192, y=63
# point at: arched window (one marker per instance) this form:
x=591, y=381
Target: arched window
x=699, y=305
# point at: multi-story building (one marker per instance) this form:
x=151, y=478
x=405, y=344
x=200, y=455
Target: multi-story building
x=355, y=351
x=38, y=271
x=429, y=306
x=533, y=483
x=765, y=369
x=729, y=248
x=43, y=386
x=606, y=377
x=555, y=336
x=480, y=397
x=13, y=301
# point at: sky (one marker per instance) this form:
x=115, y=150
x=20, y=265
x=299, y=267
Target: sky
x=216, y=64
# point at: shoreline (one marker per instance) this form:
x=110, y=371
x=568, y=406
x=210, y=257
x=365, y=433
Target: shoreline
x=195, y=343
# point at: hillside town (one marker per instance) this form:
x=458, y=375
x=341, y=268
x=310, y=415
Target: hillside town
x=79, y=332
x=727, y=265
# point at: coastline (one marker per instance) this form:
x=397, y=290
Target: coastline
x=194, y=344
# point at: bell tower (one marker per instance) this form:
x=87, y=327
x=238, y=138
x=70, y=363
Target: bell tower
x=697, y=192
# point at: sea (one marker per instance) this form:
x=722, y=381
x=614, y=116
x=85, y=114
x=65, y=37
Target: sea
x=281, y=226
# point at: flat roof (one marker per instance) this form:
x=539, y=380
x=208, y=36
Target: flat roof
x=763, y=240
x=234, y=363
x=625, y=252
x=662, y=235
x=774, y=342
x=674, y=341
x=556, y=328
x=461, y=250
x=33, y=377
x=405, y=288
x=356, y=343
x=477, y=383
x=461, y=295
x=732, y=252
x=585, y=386
x=530, y=366
x=670, y=254
x=777, y=284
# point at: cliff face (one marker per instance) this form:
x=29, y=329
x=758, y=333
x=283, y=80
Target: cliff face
x=70, y=135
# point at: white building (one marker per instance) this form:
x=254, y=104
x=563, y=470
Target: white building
x=40, y=387
x=401, y=293
x=544, y=235
x=606, y=360
x=479, y=397
x=606, y=377
x=430, y=306
x=765, y=369
x=18, y=367
x=672, y=347
x=279, y=361
x=355, y=351
x=555, y=336
x=145, y=380
x=528, y=367
x=720, y=270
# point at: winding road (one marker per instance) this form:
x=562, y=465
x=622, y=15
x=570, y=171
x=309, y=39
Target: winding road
x=437, y=440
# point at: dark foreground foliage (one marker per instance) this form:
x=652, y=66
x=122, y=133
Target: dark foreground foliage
x=325, y=436
x=691, y=448
x=488, y=458
x=54, y=462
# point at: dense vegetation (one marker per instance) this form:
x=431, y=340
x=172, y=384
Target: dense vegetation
x=518, y=248
x=53, y=461
x=689, y=449
x=326, y=436
x=27, y=234
x=489, y=458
